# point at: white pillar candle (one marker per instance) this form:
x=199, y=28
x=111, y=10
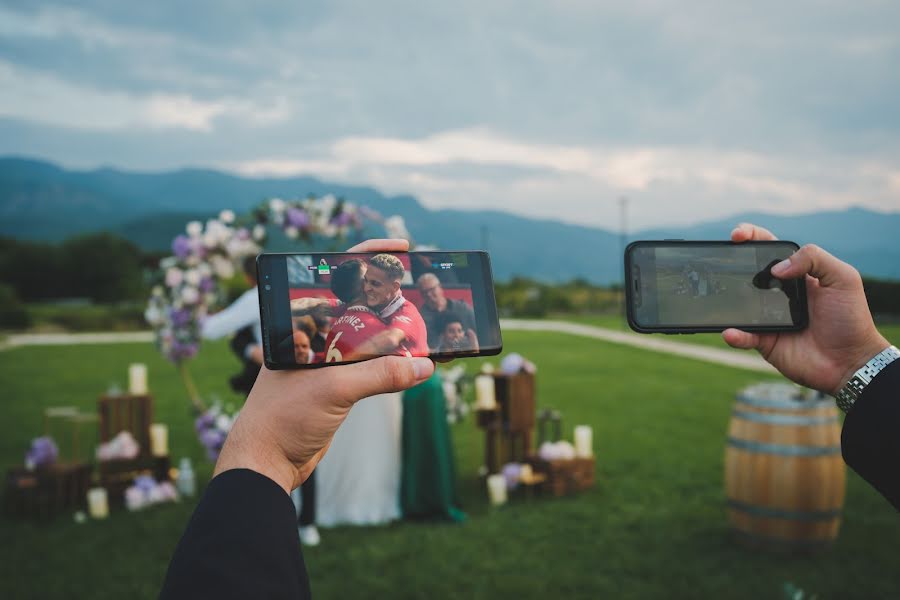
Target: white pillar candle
x=485, y=397
x=159, y=439
x=584, y=441
x=496, y=485
x=98, y=505
x=137, y=379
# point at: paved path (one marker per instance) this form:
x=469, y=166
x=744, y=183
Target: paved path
x=656, y=343
x=68, y=339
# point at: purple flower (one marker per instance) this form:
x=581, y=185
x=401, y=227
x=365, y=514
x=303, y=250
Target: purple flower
x=43, y=451
x=243, y=234
x=207, y=284
x=212, y=455
x=341, y=219
x=511, y=472
x=145, y=483
x=297, y=217
x=180, y=318
x=181, y=246
x=204, y=422
x=212, y=439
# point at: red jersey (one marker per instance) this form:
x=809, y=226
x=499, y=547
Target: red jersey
x=408, y=320
x=348, y=331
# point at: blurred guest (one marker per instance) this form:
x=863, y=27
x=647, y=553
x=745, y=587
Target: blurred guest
x=435, y=303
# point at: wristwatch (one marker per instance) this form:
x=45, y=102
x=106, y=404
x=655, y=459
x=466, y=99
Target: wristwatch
x=854, y=388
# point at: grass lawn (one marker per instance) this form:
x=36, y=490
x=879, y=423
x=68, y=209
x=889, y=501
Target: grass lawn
x=653, y=527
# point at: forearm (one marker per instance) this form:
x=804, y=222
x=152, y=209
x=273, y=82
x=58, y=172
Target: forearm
x=380, y=344
x=870, y=439
x=241, y=542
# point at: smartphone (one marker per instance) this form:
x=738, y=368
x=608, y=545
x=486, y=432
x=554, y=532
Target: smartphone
x=699, y=287
x=326, y=308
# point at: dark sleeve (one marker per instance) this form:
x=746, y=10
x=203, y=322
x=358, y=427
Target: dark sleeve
x=870, y=439
x=241, y=542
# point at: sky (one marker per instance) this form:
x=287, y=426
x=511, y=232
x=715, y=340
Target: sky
x=691, y=110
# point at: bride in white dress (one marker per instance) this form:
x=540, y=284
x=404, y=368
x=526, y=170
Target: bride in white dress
x=358, y=480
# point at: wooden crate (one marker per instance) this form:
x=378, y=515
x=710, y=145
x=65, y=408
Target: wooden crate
x=118, y=475
x=565, y=477
x=516, y=399
x=46, y=491
x=126, y=412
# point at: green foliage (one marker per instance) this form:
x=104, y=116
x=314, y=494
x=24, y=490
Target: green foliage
x=883, y=296
x=101, y=267
x=653, y=527
x=90, y=317
x=523, y=297
x=13, y=314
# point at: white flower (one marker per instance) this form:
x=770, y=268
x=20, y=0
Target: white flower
x=222, y=267
x=259, y=233
x=226, y=216
x=292, y=232
x=194, y=228
x=174, y=277
x=277, y=205
x=396, y=227
x=210, y=239
x=210, y=298
x=223, y=423
x=157, y=291
x=153, y=315
x=327, y=204
x=190, y=295
x=192, y=277
x=204, y=269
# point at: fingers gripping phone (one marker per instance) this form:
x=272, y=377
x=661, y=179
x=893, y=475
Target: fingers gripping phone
x=327, y=308
x=699, y=287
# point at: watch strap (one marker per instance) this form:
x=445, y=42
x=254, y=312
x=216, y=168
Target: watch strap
x=858, y=382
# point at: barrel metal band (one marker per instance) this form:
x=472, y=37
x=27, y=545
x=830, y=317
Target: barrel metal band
x=783, y=449
x=777, y=542
x=791, y=405
x=778, y=513
x=777, y=419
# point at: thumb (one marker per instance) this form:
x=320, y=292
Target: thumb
x=349, y=383
x=814, y=261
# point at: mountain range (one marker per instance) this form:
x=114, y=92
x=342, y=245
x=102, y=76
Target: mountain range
x=43, y=201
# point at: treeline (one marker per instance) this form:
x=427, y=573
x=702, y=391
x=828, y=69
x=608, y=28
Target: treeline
x=99, y=268
x=523, y=297
x=114, y=275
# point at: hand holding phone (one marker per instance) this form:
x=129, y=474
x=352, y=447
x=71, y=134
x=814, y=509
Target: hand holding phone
x=676, y=286
x=841, y=336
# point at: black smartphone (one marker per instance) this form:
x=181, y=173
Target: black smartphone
x=700, y=287
x=325, y=308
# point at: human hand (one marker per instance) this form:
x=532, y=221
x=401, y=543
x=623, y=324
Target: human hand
x=290, y=417
x=841, y=336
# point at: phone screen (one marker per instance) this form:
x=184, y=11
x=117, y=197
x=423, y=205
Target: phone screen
x=325, y=308
x=710, y=286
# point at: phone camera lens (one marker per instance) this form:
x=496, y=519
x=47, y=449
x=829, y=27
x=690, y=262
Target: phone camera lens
x=268, y=287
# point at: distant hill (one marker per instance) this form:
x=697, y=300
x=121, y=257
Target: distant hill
x=41, y=201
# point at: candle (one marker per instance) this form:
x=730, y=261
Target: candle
x=98, y=506
x=584, y=441
x=137, y=379
x=525, y=473
x=159, y=439
x=485, y=398
x=496, y=485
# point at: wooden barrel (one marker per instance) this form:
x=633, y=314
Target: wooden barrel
x=784, y=474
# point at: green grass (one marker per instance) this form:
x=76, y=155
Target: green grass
x=653, y=527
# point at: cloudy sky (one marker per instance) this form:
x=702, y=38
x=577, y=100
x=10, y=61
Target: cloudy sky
x=691, y=110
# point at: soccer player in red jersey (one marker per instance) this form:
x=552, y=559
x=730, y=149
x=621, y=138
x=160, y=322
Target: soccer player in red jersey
x=406, y=327
x=356, y=324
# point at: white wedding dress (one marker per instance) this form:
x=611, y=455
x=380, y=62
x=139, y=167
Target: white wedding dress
x=358, y=480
